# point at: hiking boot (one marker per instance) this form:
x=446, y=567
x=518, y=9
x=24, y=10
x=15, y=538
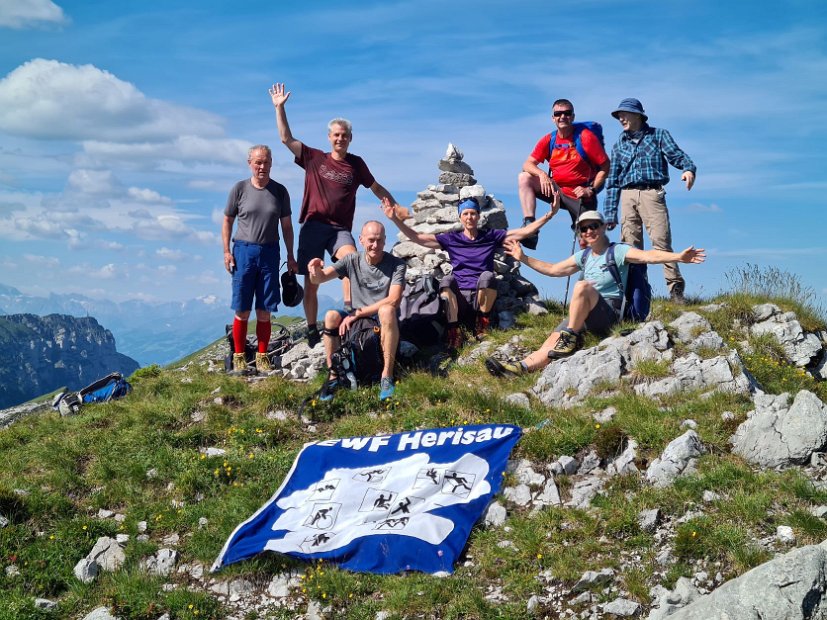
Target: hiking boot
x=482, y=326
x=263, y=363
x=503, y=369
x=386, y=388
x=676, y=297
x=314, y=337
x=329, y=389
x=530, y=242
x=454, y=338
x=567, y=344
x=239, y=362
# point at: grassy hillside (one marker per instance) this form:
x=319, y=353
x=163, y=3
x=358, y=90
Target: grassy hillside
x=140, y=457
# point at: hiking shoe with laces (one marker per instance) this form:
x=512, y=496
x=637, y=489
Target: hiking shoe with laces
x=314, y=337
x=386, y=388
x=503, y=369
x=263, y=363
x=239, y=362
x=482, y=326
x=567, y=344
x=676, y=297
x=531, y=241
x=329, y=389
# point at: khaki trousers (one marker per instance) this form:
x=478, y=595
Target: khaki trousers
x=647, y=207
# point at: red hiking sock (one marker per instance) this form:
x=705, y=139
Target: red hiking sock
x=263, y=329
x=239, y=335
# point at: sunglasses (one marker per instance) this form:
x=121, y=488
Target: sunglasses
x=558, y=113
x=588, y=227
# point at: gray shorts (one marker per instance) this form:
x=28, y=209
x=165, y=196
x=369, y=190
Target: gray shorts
x=317, y=237
x=467, y=302
x=601, y=319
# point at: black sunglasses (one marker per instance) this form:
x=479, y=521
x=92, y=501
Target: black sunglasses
x=558, y=113
x=592, y=226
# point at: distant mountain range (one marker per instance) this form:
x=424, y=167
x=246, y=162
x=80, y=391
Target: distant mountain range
x=151, y=333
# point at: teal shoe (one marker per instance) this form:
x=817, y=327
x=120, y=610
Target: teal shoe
x=386, y=388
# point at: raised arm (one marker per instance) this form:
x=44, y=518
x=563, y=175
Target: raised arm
x=529, y=229
x=279, y=98
x=555, y=270
x=392, y=212
x=654, y=257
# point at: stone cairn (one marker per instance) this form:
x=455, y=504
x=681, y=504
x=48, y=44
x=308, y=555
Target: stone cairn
x=435, y=211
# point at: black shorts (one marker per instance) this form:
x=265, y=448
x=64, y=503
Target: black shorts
x=317, y=237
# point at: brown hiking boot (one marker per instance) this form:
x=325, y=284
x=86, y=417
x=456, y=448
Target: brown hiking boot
x=482, y=326
x=568, y=343
x=239, y=362
x=263, y=363
x=503, y=369
x=454, y=337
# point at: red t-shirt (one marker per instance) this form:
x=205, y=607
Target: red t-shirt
x=330, y=186
x=567, y=167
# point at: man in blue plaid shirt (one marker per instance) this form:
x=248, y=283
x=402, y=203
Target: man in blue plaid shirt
x=637, y=176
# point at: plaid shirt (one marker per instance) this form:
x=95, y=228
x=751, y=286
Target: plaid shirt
x=641, y=162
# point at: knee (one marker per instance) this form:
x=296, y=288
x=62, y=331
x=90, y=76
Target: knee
x=332, y=319
x=487, y=281
x=584, y=288
x=524, y=180
x=263, y=315
x=242, y=316
x=387, y=316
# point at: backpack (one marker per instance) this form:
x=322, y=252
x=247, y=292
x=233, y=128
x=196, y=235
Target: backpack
x=637, y=298
x=110, y=387
x=280, y=343
x=358, y=360
x=107, y=388
x=593, y=126
x=422, y=317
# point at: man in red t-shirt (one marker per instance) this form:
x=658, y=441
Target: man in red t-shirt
x=579, y=180
x=329, y=202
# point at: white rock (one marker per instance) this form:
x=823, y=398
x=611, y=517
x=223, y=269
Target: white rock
x=495, y=515
x=785, y=534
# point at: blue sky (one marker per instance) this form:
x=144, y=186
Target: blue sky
x=123, y=125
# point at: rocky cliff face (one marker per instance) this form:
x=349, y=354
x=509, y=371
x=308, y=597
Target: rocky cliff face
x=41, y=354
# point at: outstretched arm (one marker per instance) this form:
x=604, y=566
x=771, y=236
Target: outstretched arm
x=279, y=98
x=530, y=229
x=653, y=257
x=555, y=270
x=319, y=274
x=392, y=212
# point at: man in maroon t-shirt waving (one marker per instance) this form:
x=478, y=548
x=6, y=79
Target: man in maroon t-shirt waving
x=329, y=202
x=579, y=178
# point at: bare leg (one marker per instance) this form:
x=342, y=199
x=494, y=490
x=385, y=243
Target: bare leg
x=341, y=253
x=389, y=337
x=486, y=298
x=310, y=301
x=332, y=320
x=451, y=305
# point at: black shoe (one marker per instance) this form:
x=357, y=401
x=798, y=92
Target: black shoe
x=329, y=389
x=530, y=242
x=314, y=337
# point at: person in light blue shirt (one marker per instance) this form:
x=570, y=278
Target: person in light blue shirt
x=596, y=301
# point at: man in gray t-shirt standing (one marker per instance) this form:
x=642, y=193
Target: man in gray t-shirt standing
x=260, y=205
x=376, y=282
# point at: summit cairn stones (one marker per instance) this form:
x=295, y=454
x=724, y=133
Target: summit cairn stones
x=435, y=211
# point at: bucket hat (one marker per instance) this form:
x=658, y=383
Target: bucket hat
x=631, y=105
x=292, y=292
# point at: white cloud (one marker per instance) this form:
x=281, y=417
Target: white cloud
x=147, y=195
x=108, y=272
x=169, y=254
x=697, y=207
x=19, y=14
x=47, y=99
x=42, y=261
x=92, y=181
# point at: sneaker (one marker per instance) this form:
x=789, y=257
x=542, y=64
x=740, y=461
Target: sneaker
x=314, y=337
x=263, y=363
x=531, y=241
x=454, y=337
x=329, y=389
x=500, y=369
x=239, y=362
x=567, y=344
x=386, y=388
x=482, y=326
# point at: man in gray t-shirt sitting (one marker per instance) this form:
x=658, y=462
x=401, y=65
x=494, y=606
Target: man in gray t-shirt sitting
x=376, y=282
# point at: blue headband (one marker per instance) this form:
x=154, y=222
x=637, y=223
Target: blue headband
x=468, y=203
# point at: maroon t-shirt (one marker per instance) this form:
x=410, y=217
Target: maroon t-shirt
x=330, y=186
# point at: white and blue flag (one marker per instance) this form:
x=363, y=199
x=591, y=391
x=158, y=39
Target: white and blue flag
x=381, y=504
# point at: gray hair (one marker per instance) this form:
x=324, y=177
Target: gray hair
x=259, y=147
x=342, y=122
